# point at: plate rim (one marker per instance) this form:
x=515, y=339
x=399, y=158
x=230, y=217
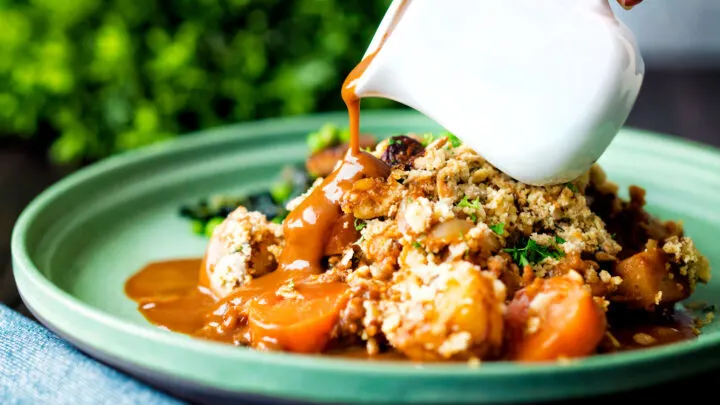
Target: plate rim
x=23, y=263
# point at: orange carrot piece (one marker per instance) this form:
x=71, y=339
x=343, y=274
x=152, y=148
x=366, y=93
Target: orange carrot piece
x=564, y=321
x=301, y=323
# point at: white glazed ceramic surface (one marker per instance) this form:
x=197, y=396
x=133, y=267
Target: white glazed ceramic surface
x=539, y=87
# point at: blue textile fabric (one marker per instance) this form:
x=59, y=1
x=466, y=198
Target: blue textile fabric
x=37, y=367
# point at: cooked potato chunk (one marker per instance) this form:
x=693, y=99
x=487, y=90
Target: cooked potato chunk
x=447, y=311
x=648, y=281
x=244, y=246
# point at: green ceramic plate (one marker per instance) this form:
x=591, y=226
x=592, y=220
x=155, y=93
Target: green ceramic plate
x=77, y=243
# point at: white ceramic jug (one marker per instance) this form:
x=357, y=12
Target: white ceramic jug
x=538, y=87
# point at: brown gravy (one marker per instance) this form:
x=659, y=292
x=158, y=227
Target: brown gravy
x=169, y=296
x=639, y=330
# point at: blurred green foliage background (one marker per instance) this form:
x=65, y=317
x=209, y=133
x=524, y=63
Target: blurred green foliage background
x=90, y=78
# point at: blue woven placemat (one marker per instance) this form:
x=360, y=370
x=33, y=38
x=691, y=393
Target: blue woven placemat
x=37, y=367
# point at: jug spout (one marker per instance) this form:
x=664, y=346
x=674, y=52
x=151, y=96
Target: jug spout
x=537, y=87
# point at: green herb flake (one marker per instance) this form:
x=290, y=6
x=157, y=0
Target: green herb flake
x=559, y=240
x=465, y=203
x=498, y=228
x=359, y=224
x=474, y=204
x=417, y=245
x=572, y=187
x=533, y=253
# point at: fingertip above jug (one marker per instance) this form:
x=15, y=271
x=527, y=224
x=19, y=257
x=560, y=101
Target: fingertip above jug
x=538, y=87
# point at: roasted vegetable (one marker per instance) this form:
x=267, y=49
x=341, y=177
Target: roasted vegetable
x=648, y=281
x=401, y=150
x=554, y=318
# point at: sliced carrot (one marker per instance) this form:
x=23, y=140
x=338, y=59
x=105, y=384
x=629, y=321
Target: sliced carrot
x=554, y=318
x=300, y=322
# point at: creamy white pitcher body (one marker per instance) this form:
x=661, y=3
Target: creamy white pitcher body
x=538, y=87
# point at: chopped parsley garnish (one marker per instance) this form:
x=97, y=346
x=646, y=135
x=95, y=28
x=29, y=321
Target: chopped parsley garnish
x=572, y=187
x=417, y=245
x=498, y=228
x=474, y=204
x=532, y=252
x=465, y=203
x=559, y=240
x=359, y=224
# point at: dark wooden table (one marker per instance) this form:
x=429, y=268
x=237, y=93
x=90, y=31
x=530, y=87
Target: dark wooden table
x=681, y=103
